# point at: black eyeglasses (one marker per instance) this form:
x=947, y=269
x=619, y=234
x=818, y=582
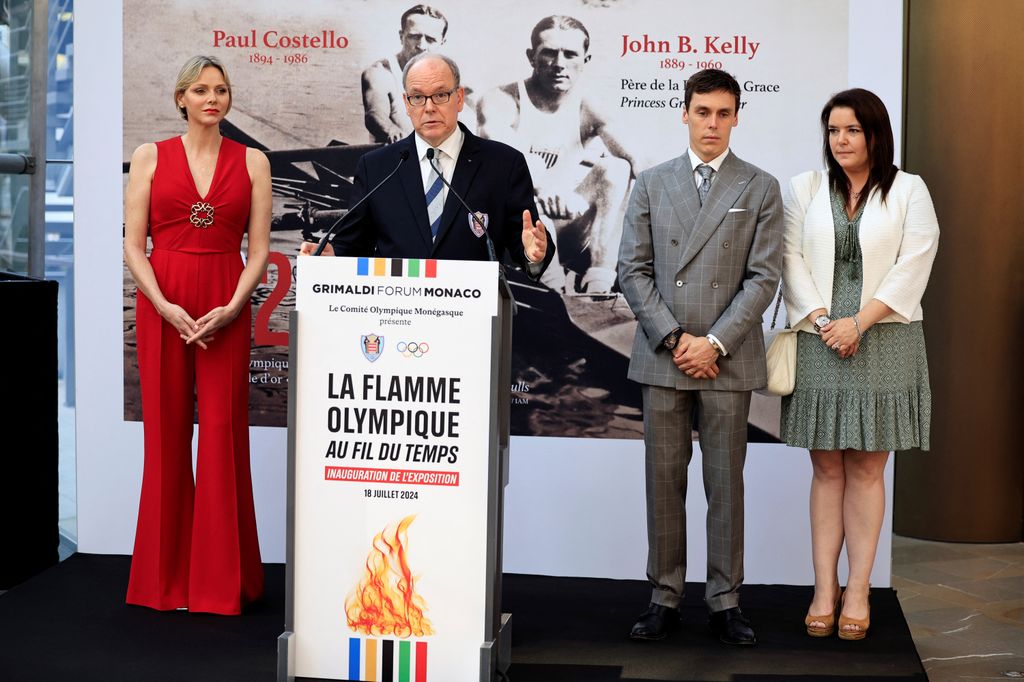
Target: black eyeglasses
x=436, y=98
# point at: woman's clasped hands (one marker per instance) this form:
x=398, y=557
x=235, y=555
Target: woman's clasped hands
x=842, y=336
x=201, y=331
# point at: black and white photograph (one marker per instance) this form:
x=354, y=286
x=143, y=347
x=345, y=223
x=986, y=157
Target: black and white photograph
x=591, y=94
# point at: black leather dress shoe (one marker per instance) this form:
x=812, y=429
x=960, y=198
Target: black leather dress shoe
x=732, y=627
x=655, y=623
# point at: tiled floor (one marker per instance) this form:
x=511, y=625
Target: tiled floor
x=965, y=607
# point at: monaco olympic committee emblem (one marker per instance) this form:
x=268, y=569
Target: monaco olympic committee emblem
x=372, y=346
x=475, y=226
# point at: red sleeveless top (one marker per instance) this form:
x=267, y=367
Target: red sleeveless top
x=180, y=219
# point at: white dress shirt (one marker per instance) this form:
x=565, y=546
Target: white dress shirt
x=715, y=164
x=446, y=156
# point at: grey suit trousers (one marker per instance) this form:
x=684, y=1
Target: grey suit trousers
x=668, y=426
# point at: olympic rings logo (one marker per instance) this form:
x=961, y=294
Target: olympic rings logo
x=412, y=348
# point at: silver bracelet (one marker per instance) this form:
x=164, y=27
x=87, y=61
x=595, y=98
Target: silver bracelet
x=856, y=323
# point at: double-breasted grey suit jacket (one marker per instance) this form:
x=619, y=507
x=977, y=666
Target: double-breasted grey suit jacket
x=708, y=269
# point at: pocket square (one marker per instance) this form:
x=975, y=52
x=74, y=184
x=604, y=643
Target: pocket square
x=737, y=210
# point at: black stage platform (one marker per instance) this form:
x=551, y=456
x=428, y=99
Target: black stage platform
x=71, y=623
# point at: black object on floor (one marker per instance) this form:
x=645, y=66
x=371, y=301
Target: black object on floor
x=28, y=487
x=71, y=623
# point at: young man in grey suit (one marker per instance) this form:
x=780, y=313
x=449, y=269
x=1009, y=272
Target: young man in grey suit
x=699, y=262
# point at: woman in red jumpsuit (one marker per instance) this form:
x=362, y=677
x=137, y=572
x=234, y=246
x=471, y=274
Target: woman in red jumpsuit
x=196, y=195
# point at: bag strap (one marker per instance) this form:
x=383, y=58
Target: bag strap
x=778, y=303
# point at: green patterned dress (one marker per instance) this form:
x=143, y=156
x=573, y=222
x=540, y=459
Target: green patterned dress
x=877, y=400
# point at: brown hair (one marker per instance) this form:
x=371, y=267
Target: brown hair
x=711, y=80
x=427, y=11
x=873, y=117
x=563, y=22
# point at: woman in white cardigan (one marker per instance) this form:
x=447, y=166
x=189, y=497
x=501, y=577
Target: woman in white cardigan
x=859, y=244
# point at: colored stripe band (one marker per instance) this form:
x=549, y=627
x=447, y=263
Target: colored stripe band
x=370, y=670
x=387, y=661
x=380, y=267
x=413, y=269
x=431, y=268
x=353, y=658
x=396, y=267
x=421, y=662
x=403, y=661
x=363, y=267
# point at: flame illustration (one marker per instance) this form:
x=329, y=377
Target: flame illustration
x=385, y=601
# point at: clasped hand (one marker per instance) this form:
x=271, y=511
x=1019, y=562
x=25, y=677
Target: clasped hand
x=841, y=336
x=199, y=332
x=696, y=357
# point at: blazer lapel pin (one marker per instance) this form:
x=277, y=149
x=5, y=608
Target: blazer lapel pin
x=475, y=226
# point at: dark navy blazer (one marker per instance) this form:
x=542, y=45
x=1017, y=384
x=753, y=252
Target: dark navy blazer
x=491, y=176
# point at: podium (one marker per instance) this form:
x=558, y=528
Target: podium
x=398, y=433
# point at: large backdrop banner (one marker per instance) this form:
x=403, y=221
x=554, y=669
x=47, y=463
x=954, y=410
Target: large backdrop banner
x=317, y=84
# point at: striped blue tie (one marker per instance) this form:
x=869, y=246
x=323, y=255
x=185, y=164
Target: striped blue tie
x=435, y=199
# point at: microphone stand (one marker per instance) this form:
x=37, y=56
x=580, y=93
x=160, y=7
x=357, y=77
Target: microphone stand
x=491, y=253
x=323, y=241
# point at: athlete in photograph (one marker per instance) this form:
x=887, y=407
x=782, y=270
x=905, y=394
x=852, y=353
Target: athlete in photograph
x=581, y=171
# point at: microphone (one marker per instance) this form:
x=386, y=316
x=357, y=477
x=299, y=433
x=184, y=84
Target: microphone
x=323, y=241
x=476, y=219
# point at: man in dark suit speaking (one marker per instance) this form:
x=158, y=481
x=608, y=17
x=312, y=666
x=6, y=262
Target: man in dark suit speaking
x=414, y=214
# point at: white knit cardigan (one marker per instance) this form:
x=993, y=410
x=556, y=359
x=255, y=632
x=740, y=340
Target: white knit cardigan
x=898, y=241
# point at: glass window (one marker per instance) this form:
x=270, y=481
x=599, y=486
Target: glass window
x=15, y=43
x=16, y=17
x=60, y=246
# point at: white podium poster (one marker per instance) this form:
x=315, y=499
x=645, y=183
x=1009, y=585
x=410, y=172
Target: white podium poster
x=391, y=464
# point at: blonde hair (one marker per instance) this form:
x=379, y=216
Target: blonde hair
x=189, y=74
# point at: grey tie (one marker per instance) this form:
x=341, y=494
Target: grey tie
x=705, y=172
x=434, y=197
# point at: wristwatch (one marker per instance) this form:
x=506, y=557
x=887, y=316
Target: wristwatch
x=672, y=340
x=820, y=321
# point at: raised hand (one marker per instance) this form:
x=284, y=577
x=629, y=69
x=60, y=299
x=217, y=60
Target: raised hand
x=559, y=207
x=535, y=239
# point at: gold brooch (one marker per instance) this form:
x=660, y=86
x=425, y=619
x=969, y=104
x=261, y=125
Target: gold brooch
x=202, y=214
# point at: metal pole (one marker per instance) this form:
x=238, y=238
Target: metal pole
x=37, y=139
x=17, y=164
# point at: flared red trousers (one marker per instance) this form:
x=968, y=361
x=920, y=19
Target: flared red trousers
x=196, y=544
